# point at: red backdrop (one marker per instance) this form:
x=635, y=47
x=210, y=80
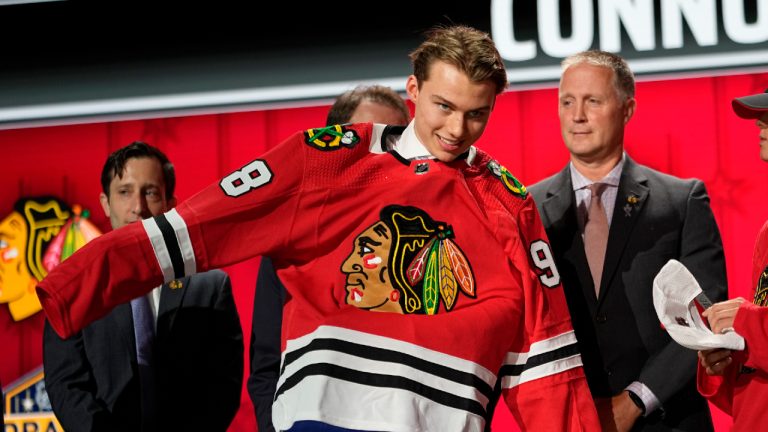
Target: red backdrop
x=684, y=127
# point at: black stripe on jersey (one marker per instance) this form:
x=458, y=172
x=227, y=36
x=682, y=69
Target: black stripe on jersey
x=386, y=133
x=399, y=158
x=386, y=355
x=385, y=381
x=540, y=359
x=174, y=251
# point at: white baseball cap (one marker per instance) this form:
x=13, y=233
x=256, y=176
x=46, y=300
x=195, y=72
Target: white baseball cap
x=675, y=293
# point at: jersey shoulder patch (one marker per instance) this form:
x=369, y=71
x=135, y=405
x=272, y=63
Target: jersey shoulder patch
x=331, y=137
x=510, y=182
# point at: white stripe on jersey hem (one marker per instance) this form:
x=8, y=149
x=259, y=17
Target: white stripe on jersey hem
x=368, y=339
x=360, y=364
x=367, y=408
x=356, y=405
x=185, y=244
x=159, y=247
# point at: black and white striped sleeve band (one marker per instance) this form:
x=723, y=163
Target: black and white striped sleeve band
x=170, y=241
x=546, y=358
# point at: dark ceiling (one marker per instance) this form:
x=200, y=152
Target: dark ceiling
x=63, y=33
x=68, y=61
x=66, y=52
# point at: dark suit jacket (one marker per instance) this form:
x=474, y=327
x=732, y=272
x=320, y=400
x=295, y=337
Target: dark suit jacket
x=657, y=217
x=265, y=343
x=92, y=380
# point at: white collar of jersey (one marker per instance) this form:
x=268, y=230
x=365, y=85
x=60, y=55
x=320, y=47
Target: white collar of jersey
x=408, y=146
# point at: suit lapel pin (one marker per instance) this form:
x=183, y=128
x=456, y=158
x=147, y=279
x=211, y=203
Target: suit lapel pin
x=632, y=201
x=175, y=284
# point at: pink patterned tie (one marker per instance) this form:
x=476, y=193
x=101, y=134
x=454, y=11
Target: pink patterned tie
x=596, y=234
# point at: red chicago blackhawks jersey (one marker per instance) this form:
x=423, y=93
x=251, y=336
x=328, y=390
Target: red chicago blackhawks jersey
x=413, y=285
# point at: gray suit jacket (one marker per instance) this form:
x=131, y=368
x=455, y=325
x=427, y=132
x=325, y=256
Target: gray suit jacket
x=92, y=377
x=657, y=217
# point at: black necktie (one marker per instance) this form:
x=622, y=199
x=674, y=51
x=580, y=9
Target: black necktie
x=144, y=329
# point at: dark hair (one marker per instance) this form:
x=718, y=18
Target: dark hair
x=469, y=50
x=345, y=105
x=115, y=165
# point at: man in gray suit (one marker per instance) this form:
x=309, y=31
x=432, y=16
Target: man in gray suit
x=98, y=380
x=639, y=377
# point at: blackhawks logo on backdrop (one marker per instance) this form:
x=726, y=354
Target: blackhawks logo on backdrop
x=38, y=234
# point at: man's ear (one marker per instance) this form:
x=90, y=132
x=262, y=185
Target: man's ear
x=629, y=109
x=412, y=88
x=172, y=202
x=104, y=200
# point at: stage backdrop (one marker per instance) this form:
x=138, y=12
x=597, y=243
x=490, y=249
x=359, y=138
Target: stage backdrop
x=684, y=127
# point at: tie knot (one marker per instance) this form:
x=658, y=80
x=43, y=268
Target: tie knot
x=597, y=189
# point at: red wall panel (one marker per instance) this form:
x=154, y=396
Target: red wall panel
x=684, y=127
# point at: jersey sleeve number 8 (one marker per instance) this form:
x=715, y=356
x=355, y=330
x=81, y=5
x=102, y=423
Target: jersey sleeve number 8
x=247, y=178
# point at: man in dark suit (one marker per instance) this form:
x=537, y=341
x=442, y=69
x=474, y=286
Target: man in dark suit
x=193, y=382
x=639, y=377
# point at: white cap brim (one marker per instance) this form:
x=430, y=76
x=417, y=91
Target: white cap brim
x=674, y=297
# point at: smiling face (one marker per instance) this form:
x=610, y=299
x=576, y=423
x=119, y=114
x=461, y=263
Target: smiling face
x=14, y=276
x=451, y=111
x=367, y=271
x=593, y=114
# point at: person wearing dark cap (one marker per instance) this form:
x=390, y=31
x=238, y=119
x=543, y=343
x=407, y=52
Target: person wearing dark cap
x=737, y=381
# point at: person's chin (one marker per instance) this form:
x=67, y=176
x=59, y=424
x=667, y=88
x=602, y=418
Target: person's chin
x=581, y=145
x=449, y=153
x=581, y=139
x=120, y=225
x=446, y=157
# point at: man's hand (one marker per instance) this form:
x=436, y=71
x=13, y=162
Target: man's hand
x=721, y=315
x=715, y=361
x=617, y=414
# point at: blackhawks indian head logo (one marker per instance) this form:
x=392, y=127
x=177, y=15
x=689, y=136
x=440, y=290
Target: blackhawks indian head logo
x=34, y=238
x=25, y=234
x=407, y=263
